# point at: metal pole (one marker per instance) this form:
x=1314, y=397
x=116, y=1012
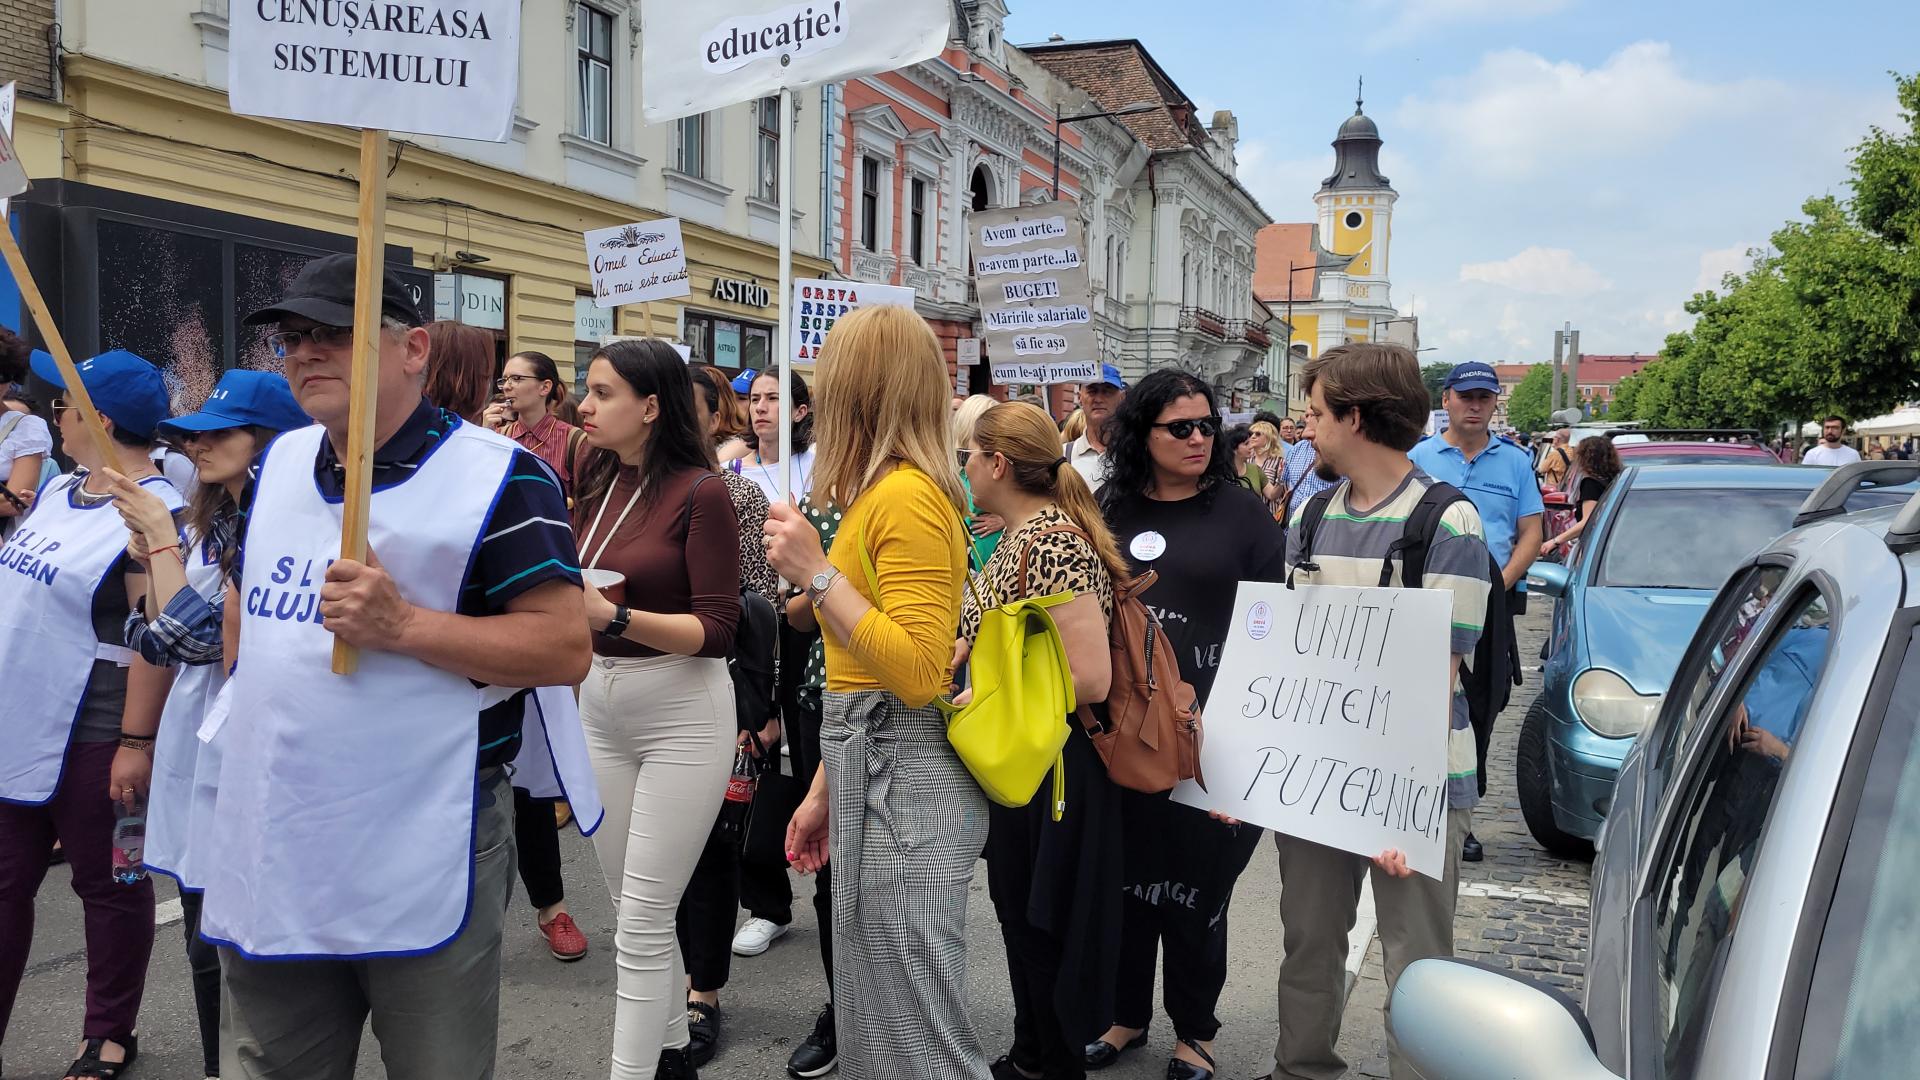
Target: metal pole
x=1553, y=402
x=786, y=291
x=1286, y=388
x=1056, y=151
x=1573, y=370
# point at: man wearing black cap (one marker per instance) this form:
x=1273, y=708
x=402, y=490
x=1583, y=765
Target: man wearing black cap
x=364, y=822
x=1498, y=477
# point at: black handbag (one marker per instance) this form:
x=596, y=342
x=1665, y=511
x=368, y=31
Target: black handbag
x=774, y=801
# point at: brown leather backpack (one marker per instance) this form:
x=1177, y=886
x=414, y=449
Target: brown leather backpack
x=1148, y=729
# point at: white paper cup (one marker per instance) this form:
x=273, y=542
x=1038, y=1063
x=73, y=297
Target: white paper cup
x=597, y=578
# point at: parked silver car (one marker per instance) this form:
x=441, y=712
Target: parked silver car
x=1756, y=901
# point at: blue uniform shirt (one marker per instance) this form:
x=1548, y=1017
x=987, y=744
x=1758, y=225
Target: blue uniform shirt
x=1499, y=480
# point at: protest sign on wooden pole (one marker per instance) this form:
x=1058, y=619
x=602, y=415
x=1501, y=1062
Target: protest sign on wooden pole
x=369, y=264
x=13, y=181
x=786, y=291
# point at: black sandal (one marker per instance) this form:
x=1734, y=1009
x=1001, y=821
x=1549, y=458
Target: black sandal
x=90, y=1066
x=1186, y=1070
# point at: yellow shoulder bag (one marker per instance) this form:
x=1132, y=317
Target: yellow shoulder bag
x=1014, y=729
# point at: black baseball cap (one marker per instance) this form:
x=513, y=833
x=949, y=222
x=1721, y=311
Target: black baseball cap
x=323, y=292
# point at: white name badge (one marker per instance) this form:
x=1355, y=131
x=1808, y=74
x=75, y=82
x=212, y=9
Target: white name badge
x=1148, y=546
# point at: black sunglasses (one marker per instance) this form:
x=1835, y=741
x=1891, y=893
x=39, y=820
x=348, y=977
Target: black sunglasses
x=1182, y=429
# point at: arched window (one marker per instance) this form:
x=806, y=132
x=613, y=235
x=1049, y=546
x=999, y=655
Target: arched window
x=982, y=188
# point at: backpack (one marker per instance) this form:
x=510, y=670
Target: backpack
x=756, y=637
x=1148, y=729
x=1496, y=656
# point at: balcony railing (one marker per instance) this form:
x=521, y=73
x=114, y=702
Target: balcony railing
x=1206, y=322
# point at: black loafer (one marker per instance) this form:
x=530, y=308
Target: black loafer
x=1101, y=1053
x=703, y=1032
x=1471, y=851
x=1004, y=1069
x=1186, y=1070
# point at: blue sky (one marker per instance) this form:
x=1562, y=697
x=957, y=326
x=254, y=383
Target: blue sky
x=1584, y=161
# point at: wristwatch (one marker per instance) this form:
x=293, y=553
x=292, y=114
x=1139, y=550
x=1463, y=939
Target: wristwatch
x=617, y=626
x=817, y=588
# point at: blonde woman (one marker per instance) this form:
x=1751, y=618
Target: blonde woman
x=1270, y=457
x=985, y=527
x=908, y=822
x=1075, y=427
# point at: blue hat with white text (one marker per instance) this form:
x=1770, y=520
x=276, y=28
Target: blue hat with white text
x=1473, y=375
x=245, y=399
x=743, y=382
x=1109, y=375
x=125, y=388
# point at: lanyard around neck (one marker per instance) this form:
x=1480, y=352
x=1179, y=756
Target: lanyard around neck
x=617, y=522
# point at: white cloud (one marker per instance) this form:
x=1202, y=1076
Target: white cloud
x=1410, y=18
x=1541, y=271
x=1519, y=113
x=1720, y=262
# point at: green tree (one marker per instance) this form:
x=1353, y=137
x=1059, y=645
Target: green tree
x=1527, y=408
x=1435, y=376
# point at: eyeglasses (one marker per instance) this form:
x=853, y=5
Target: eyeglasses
x=1183, y=429
x=962, y=453
x=323, y=337
x=61, y=404
x=508, y=382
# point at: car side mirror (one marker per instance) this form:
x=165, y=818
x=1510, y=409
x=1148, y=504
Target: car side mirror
x=1549, y=578
x=1461, y=1020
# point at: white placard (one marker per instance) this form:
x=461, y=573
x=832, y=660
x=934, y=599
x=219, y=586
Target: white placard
x=13, y=175
x=818, y=304
x=430, y=67
x=1328, y=719
x=6, y=130
x=966, y=351
x=698, y=57
x=1035, y=296
x=633, y=264
x=1042, y=373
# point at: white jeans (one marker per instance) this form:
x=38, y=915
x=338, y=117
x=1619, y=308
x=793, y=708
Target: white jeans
x=661, y=733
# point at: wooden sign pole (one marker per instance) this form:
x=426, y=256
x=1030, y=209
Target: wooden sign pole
x=76, y=391
x=369, y=262
x=646, y=318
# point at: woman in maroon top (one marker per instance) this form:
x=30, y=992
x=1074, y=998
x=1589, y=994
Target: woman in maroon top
x=658, y=703
x=530, y=391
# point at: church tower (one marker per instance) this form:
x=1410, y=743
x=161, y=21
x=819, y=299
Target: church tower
x=1356, y=218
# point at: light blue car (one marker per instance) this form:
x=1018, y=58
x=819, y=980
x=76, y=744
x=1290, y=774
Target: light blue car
x=1661, y=543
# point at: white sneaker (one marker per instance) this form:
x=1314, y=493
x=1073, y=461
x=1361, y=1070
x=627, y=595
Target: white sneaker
x=757, y=936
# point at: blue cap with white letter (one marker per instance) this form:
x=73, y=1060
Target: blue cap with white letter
x=125, y=388
x=245, y=399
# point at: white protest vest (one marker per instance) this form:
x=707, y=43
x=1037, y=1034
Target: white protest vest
x=553, y=761
x=343, y=826
x=186, y=772
x=50, y=569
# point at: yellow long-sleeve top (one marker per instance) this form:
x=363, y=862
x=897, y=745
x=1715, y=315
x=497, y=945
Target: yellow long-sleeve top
x=914, y=536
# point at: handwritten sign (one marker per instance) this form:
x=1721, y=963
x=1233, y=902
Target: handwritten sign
x=633, y=264
x=13, y=175
x=1328, y=720
x=818, y=304
x=695, y=58
x=1036, y=300
x=432, y=67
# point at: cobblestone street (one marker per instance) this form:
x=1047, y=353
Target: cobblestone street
x=1521, y=908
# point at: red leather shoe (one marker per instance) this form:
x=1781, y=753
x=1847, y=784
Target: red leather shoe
x=564, y=939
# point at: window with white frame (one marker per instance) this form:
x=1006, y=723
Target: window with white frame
x=870, y=203
x=690, y=145
x=593, y=33
x=767, y=149
x=917, y=221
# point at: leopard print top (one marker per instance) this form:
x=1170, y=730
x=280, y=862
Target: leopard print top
x=1060, y=562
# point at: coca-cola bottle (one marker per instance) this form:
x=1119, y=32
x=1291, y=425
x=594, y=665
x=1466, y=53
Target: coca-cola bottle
x=740, y=786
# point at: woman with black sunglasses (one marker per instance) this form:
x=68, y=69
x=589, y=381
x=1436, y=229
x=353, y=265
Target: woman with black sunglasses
x=1178, y=507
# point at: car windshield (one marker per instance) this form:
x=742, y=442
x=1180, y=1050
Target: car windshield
x=1643, y=549
x=1642, y=553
